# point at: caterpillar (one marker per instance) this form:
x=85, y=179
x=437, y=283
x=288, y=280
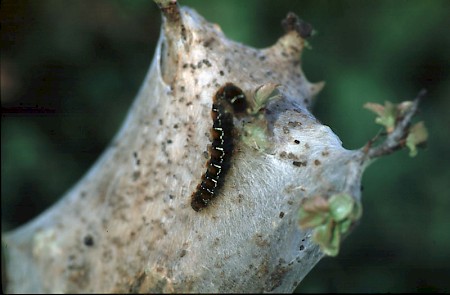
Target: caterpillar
x=229, y=100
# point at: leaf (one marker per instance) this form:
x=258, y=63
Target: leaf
x=417, y=135
x=263, y=95
x=316, y=203
x=333, y=247
x=357, y=211
x=313, y=212
x=322, y=234
x=328, y=238
x=387, y=114
x=330, y=219
x=344, y=225
x=341, y=206
x=404, y=107
x=312, y=219
x=375, y=107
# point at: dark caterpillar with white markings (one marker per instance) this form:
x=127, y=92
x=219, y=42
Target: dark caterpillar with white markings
x=229, y=100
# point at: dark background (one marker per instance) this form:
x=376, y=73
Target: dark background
x=70, y=70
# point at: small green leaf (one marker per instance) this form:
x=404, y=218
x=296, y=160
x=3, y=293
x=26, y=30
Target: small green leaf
x=312, y=219
x=330, y=250
x=322, y=234
x=375, y=107
x=333, y=247
x=387, y=114
x=344, y=225
x=329, y=219
x=328, y=238
x=357, y=211
x=404, y=107
x=316, y=203
x=263, y=95
x=313, y=212
x=417, y=135
x=341, y=206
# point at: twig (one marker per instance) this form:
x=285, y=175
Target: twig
x=396, y=139
x=170, y=9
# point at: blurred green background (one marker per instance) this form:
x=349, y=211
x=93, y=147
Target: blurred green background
x=70, y=70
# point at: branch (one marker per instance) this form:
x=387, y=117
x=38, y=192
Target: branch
x=396, y=139
x=201, y=188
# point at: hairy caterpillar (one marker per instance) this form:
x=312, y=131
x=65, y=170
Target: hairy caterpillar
x=227, y=101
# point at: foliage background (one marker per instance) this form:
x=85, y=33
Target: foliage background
x=70, y=70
